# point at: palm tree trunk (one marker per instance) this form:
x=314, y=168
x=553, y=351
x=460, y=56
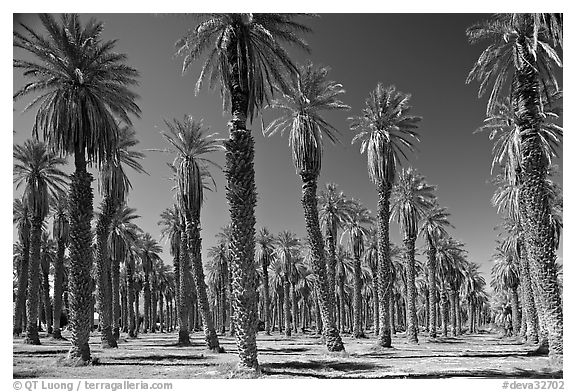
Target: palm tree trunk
x=534, y=203
x=153, y=306
x=392, y=306
x=45, y=264
x=104, y=275
x=309, y=203
x=294, y=306
x=79, y=281
x=458, y=316
x=124, y=308
x=432, y=322
x=331, y=236
x=411, y=327
x=34, y=281
x=341, y=306
x=266, y=304
x=528, y=306
x=241, y=196
x=161, y=306
x=116, y=310
x=444, y=310
x=358, y=333
x=19, y=312
x=194, y=245
x=183, y=321
x=146, y=301
x=454, y=307
x=376, y=304
x=515, y=311
x=384, y=263
x=287, y=316
x=58, y=282
x=130, y=284
x=317, y=314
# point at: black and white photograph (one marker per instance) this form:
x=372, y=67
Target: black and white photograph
x=310, y=195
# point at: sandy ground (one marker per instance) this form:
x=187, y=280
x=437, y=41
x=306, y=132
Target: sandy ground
x=301, y=356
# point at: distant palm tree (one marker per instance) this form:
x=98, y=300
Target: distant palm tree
x=522, y=49
x=81, y=84
x=149, y=251
x=506, y=277
x=286, y=248
x=47, y=257
x=21, y=218
x=333, y=211
x=37, y=172
x=371, y=261
x=246, y=58
x=61, y=233
x=122, y=241
x=264, y=253
x=385, y=129
x=411, y=198
x=344, y=269
x=356, y=228
x=302, y=107
x=190, y=142
x=432, y=230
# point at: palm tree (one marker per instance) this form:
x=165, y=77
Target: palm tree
x=36, y=170
x=344, y=269
x=411, y=198
x=333, y=211
x=433, y=229
x=114, y=185
x=264, y=253
x=170, y=230
x=356, y=231
x=80, y=85
x=246, y=57
x=60, y=231
x=286, y=248
x=47, y=257
x=122, y=240
x=506, y=277
x=310, y=94
x=522, y=49
x=149, y=250
x=371, y=261
x=386, y=129
x=473, y=290
x=190, y=143
x=21, y=217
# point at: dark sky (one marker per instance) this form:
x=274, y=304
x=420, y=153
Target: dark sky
x=426, y=55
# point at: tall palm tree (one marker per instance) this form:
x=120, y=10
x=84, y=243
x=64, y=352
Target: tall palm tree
x=61, y=232
x=190, y=142
x=302, y=107
x=333, y=211
x=37, y=171
x=114, y=185
x=385, y=129
x=356, y=229
x=264, y=253
x=217, y=276
x=79, y=84
x=522, y=49
x=344, y=269
x=411, y=198
x=21, y=217
x=433, y=229
x=247, y=59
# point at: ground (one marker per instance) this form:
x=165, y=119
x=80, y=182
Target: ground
x=301, y=356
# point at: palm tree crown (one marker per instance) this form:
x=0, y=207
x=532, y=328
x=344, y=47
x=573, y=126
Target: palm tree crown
x=36, y=169
x=82, y=85
x=385, y=129
x=308, y=95
x=244, y=54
